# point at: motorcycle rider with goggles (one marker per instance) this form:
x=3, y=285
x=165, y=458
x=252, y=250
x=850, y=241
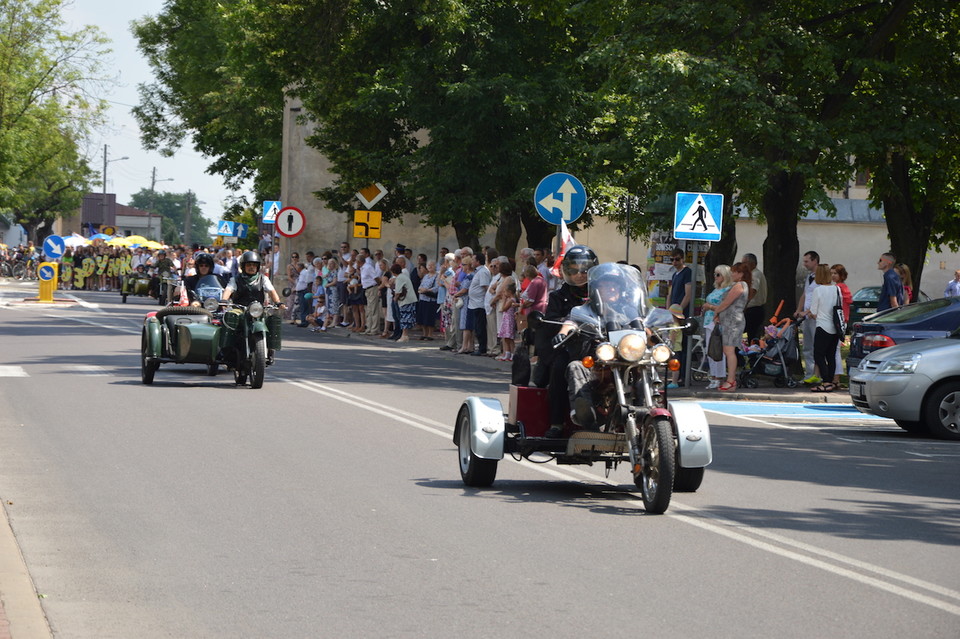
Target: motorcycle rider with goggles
x=249, y=284
x=617, y=301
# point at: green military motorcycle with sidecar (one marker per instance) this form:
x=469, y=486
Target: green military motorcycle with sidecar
x=242, y=338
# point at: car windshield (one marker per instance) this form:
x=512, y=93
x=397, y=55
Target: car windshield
x=911, y=312
x=868, y=294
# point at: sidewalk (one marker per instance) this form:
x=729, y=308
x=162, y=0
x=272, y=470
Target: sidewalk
x=766, y=392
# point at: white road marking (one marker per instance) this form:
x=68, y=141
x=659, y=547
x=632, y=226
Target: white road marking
x=13, y=371
x=699, y=518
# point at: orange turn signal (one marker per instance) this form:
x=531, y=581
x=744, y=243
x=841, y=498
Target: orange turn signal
x=674, y=364
x=587, y=362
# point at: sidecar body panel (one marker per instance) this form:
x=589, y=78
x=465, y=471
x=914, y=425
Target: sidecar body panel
x=693, y=434
x=197, y=342
x=487, y=427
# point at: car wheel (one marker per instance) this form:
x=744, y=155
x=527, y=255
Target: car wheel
x=942, y=411
x=911, y=427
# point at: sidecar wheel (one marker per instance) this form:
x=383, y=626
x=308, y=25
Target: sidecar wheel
x=124, y=296
x=258, y=364
x=147, y=366
x=475, y=472
x=659, y=455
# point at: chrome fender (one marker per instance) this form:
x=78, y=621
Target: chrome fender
x=487, y=427
x=693, y=434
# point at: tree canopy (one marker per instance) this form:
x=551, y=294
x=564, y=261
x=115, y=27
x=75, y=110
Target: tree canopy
x=46, y=112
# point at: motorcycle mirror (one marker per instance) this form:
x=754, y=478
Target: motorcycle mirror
x=285, y=292
x=692, y=327
x=535, y=319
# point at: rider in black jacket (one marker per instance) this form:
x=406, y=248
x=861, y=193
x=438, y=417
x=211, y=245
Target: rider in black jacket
x=551, y=362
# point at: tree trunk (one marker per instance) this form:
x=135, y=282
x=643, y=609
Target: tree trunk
x=909, y=229
x=467, y=234
x=539, y=233
x=781, y=249
x=508, y=232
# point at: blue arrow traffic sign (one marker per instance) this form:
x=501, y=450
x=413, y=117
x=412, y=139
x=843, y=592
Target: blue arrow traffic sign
x=698, y=216
x=46, y=272
x=560, y=197
x=53, y=247
x=241, y=230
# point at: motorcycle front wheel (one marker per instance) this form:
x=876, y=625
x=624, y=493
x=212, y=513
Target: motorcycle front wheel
x=258, y=361
x=658, y=453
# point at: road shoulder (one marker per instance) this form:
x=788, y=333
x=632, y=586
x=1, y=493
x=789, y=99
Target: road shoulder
x=21, y=616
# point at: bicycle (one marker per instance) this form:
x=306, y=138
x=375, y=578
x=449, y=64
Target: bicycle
x=699, y=364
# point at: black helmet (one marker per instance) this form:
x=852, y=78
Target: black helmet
x=578, y=259
x=203, y=259
x=249, y=256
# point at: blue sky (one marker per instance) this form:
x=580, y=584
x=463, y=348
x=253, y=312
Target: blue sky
x=121, y=134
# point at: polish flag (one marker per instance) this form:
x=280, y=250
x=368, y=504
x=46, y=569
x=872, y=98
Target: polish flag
x=566, y=242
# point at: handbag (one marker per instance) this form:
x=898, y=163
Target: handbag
x=839, y=322
x=715, y=347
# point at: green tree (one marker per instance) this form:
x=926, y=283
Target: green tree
x=459, y=108
x=913, y=158
x=173, y=209
x=757, y=96
x=46, y=74
x=212, y=87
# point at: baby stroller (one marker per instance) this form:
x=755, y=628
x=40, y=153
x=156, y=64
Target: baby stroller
x=772, y=357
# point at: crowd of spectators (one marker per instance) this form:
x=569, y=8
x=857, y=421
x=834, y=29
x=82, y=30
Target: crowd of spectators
x=475, y=302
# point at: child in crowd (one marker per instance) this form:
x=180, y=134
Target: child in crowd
x=508, y=306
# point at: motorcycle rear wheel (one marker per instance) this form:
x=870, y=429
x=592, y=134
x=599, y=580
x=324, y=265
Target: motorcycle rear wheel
x=258, y=363
x=658, y=452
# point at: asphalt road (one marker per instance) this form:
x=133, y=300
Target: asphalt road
x=329, y=504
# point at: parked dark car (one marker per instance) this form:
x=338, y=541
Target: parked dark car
x=865, y=302
x=924, y=320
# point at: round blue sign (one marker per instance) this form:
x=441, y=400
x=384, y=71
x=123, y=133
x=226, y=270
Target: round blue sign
x=560, y=197
x=45, y=273
x=53, y=247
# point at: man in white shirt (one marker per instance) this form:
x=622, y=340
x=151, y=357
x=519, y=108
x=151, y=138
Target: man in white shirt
x=753, y=313
x=369, y=274
x=477, y=320
x=304, y=285
x=493, y=263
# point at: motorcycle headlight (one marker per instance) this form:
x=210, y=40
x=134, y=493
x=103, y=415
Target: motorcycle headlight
x=606, y=352
x=211, y=304
x=256, y=310
x=231, y=319
x=900, y=365
x=632, y=347
x=661, y=353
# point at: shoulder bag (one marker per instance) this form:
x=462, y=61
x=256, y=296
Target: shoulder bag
x=839, y=322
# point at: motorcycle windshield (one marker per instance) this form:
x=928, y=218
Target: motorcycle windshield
x=209, y=286
x=618, y=295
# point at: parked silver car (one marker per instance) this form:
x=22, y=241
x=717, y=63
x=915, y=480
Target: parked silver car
x=916, y=384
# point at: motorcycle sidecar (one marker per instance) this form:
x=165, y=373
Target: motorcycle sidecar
x=179, y=335
x=135, y=285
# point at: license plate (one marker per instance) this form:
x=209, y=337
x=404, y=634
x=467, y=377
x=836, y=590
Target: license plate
x=856, y=389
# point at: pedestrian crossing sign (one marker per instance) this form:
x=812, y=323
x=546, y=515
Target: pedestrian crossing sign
x=698, y=216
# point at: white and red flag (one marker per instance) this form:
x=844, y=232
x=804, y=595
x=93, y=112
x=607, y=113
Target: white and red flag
x=566, y=241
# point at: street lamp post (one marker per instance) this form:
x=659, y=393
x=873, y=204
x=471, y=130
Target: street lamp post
x=103, y=202
x=153, y=195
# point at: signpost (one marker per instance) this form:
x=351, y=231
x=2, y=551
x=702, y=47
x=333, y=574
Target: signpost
x=697, y=216
x=560, y=196
x=290, y=222
x=372, y=194
x=271, y=208
x=366, y=224
x=54, y=247
x=47, y=274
